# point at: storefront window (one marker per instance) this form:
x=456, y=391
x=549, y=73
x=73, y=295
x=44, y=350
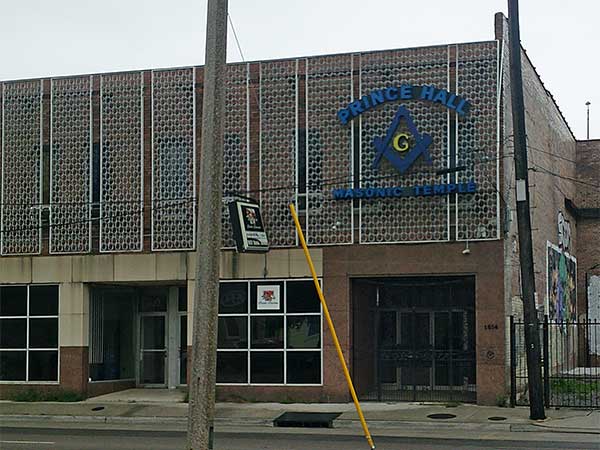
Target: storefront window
x=269, y=333
x=29, y=333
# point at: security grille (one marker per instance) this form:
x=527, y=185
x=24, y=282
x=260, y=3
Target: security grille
x=96, y=351
x=70, y=132
x=21, y=168
x=235, y=155
x=405, y=219
x=477, y=145
x=278, y=148
x=121, y=135
x=329, y=148
x=173, y=159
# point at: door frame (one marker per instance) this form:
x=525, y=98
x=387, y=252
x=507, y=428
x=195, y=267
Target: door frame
x=141, y=350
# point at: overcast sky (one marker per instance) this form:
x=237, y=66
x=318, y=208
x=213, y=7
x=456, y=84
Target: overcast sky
x=43, y=38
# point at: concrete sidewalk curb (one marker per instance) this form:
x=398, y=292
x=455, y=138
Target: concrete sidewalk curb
x=133, y=420
x=558, y=429
x=338, y=423
x=422, y=425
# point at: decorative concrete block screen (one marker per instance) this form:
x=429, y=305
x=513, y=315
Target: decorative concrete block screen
x=21, y=168
x=477, y=141
x=404, y=219
x=173, y=160
x=329, y=149
x=70, y=165
x=278, y=148
x=121, y=162
x=235, y=154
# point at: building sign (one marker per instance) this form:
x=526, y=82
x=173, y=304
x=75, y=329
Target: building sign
x=248, y=229
x=426, y=190
x=402, y=148
x=404, y=92
x=396, y=148
x=268, y=298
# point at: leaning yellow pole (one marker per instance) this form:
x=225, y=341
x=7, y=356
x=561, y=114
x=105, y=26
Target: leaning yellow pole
x=331, y=327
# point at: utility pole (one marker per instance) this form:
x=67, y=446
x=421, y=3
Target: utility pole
x=208, y=245
x=588, y=119
x=532, y=336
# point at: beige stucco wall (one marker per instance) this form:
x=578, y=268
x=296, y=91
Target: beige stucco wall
x=148, y=267
x=75, y=272
x=73, y=315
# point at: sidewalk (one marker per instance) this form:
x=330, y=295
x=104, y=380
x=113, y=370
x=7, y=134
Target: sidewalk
x=116, y=410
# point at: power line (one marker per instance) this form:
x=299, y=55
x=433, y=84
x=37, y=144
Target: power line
x=332, y=181
x=236, y=38
x=341, y=179
x=140, y=211
x=537, y=168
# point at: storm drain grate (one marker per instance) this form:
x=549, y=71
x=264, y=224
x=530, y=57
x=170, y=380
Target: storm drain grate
x=441, y=416
x=496, y=418
x=98, y=408
x=306, y=420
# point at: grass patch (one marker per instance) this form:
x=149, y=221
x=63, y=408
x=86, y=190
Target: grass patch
x=574, y=386
x=452, y=404
x=501, y=400
x=33, y=395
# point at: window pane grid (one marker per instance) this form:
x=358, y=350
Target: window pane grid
x=27, y=350
x=249, y=350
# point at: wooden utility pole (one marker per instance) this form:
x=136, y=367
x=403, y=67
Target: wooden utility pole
x=532, y=336
x=208, y=245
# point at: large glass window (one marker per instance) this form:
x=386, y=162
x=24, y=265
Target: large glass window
x=29, y=333
x=269, y=333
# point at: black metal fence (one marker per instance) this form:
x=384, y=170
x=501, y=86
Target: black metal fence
x=570, y=363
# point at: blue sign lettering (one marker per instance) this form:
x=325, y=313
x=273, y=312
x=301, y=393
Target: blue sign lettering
x=404, y=92
x=427, y=190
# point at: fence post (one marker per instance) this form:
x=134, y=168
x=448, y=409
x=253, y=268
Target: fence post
x=546, y=363
x=513, y=364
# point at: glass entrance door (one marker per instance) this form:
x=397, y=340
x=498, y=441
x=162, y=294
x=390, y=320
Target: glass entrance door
x=153, y=349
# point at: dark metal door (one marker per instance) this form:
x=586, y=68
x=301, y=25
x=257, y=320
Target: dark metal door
x=425, y=355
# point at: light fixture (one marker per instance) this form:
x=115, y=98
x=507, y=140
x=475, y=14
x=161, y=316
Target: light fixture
x=467, y=250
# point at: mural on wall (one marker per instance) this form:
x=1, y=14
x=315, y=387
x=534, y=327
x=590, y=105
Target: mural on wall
x=561, y=283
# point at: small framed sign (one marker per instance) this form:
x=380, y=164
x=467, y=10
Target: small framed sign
x=268, y=298
x=248, y=229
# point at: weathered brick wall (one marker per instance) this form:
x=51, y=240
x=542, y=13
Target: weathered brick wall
x=588, y=173
x=551, y=150
x=587, y=200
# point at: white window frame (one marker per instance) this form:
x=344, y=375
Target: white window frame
x=27, y=318
x=284, y=350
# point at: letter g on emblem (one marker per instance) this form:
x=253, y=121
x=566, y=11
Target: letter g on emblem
x=400, y=142
x=394, y=147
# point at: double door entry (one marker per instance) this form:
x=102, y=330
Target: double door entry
x=425, y=355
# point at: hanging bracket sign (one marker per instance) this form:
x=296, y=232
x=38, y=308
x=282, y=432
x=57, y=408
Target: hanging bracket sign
x=248, y=228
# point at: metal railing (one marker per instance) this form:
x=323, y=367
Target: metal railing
x=570, y=363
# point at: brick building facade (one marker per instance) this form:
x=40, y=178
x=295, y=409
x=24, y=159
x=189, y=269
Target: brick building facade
x=418, y=261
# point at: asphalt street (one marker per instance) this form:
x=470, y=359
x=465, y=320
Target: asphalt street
x=19, y=438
